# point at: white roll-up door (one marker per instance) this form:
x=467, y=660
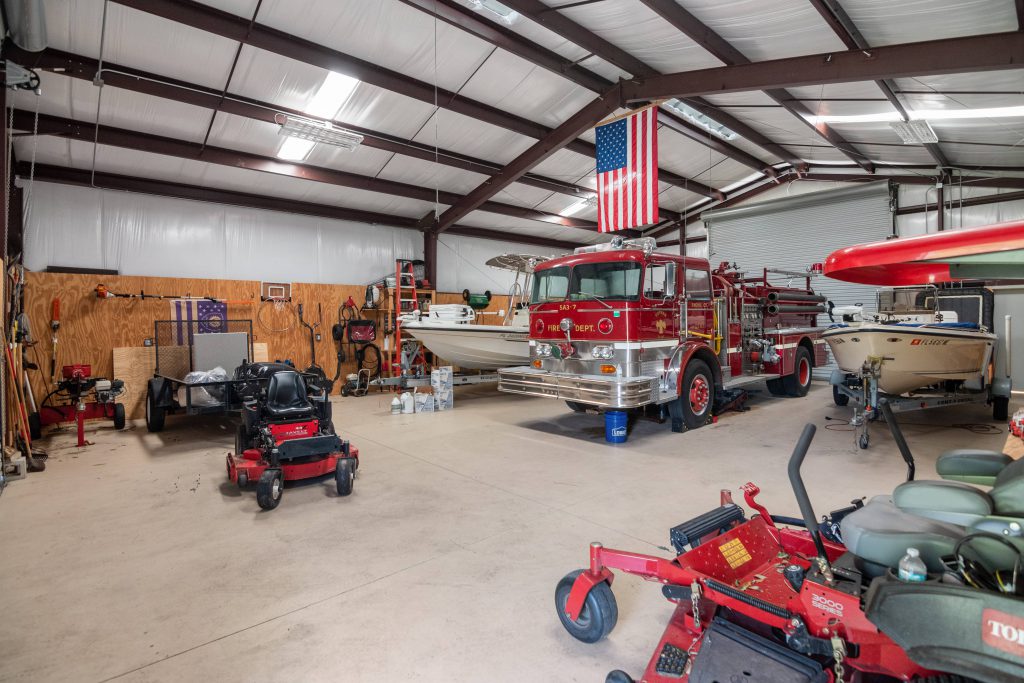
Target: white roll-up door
x=795, y=232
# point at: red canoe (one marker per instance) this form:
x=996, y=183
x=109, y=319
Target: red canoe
x=991, y=252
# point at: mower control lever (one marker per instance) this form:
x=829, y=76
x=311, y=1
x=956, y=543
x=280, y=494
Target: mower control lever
x=803, y=500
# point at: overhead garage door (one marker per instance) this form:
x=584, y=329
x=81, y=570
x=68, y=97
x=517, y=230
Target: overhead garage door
x=795, y=232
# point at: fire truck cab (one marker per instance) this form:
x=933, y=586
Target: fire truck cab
x=620, y=326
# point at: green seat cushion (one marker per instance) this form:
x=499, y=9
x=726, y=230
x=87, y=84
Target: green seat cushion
x=944, y=501
x=881, y=533
x=972, y=465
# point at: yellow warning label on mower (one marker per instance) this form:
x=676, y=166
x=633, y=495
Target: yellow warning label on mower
x=735, y=553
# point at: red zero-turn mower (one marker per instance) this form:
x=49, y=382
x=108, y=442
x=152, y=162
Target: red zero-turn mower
x=287, y=435
x=770, y=598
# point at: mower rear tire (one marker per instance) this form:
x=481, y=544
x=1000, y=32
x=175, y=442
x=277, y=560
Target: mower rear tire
x=345, y=476
x=270, y=488
x=155, y=414
x=1000, y=409
x=118, y=416
x=799, y=383
x=693, y=407
x=838, y=397
x=35, y=426
x=576, y=407
x=599, y=613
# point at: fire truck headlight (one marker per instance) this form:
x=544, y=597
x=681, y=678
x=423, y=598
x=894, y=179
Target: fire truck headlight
x=603, y=352
x=543, y=350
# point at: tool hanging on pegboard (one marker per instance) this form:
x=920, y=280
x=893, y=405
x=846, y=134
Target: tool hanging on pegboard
x=102, y=292
x=54, y=326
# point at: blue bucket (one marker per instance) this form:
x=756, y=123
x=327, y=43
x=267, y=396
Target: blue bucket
x=615, y=426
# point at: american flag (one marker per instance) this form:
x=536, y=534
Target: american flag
x=627, y=172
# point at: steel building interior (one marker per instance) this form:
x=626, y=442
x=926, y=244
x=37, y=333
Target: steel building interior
x=440, y=340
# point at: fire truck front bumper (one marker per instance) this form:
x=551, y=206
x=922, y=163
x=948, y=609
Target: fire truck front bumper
x=597, y=390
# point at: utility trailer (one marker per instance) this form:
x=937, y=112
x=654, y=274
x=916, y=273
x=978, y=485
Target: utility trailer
x=183, y=347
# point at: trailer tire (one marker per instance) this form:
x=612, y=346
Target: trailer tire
x=839, y=398
x=694, y=406
x=1000, y=408
x=576, y=407
x=799, y=383
x=599, y=613
x=118, y=416
x=155, y=415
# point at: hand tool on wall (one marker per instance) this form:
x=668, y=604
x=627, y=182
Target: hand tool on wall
x=54, y=326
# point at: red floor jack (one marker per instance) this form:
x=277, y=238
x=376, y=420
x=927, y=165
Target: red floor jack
x=74, y=388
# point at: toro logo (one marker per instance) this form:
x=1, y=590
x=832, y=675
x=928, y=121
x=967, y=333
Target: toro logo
x=1003, y=631
x=827, y=605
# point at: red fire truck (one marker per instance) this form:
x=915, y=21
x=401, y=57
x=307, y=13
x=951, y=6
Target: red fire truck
x=619, y=326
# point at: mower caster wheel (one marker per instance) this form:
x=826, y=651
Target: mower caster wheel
x=243, y=479
x=618, y=676
x=269, y=489
x=118, y=416
x=863, y=441
x=599, y=613
x=344, y=476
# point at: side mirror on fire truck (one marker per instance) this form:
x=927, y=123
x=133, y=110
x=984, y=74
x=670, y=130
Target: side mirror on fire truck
x=670, y=281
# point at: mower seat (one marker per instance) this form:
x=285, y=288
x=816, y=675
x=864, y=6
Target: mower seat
x=286, y=397
x=957, y=502
x=880, y=533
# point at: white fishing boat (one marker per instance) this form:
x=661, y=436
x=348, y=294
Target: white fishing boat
x=922, y=336
x=457, y=334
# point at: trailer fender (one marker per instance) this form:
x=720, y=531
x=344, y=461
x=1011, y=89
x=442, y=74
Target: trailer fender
x=161, y=389
x=682, y=356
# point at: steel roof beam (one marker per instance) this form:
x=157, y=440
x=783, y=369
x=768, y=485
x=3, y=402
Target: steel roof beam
x=162, y=188
x=118, y=137
x=990, y=52
x=842, y=25
x=136, y=80
x=724, y=51
x=226, y=25
x=582, y=120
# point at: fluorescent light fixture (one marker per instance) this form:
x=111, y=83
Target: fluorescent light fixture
x=316, y=131
x=332, y=94
x=705, y=122
x=914, y=132
x=573, y=209
x=295, y=149
x=924, y=114
x=504, y=14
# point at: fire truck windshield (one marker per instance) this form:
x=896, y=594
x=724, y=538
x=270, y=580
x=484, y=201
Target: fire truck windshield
x=588, y=281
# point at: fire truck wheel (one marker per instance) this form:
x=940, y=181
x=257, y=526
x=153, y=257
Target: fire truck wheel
x=695, y=403
x=270, y=488
x=799, y=383
x=118, y=416
x=776, y=387
x=599, y=613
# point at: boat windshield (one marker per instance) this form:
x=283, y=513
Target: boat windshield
x=907, y=300
x=619, y=280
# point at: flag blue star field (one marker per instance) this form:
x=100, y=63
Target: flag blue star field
x=627, y=172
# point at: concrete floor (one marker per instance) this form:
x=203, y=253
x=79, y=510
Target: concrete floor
x=135, y=560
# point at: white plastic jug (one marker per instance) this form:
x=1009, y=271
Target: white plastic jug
x=408, y=403
x=396, y=406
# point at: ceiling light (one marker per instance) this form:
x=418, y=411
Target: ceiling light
x=914, y=132
x=317, y=131
x=573, y=209
x=505, y=14
x=705, y=122
x=332, y=94
x=923, y=114
x=295, y=149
